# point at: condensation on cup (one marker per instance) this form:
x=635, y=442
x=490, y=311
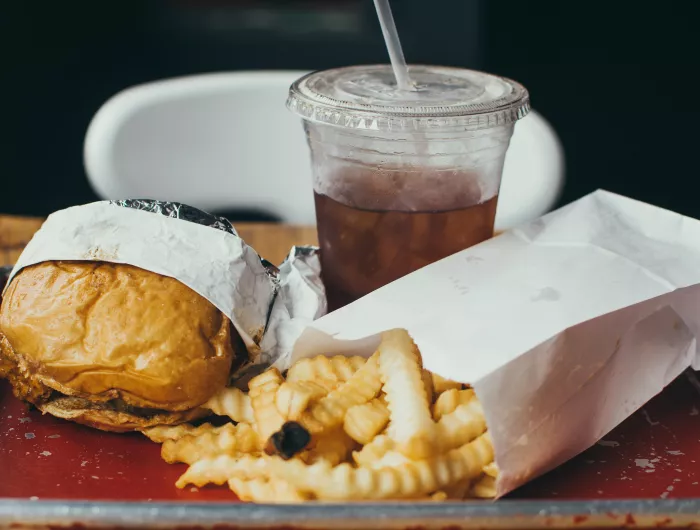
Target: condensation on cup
x=402, y=178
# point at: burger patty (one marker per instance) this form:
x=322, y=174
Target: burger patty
x=116, y=405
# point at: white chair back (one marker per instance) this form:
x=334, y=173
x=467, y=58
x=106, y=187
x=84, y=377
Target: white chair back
x=227, y=142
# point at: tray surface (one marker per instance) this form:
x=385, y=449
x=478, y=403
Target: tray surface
x=653, y=454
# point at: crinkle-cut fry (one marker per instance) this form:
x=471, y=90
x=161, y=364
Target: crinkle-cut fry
x=484, y=488
x=265, y=490
x=345, y=367
x=460, y=426
x=412, y=425
x=329, y=411
x=333, y=447
x=227, y=439
x=491, y=470
x=263, y=391
x=312, y=369
x=459, y=490
x=428, y=384
x=363, y=422
x=374, y=450
x=439, y=496
x=161, y=433
x=440, y=384
x=293, y=398
x=231, y=402
x=449, y=400
x=220, y=469
x=335, y=370
x=389, y=459
x=414, y=479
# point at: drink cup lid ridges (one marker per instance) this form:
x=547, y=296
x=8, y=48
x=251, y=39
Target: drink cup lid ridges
x=445, y=98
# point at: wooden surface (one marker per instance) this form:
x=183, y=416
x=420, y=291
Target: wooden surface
x=271, y=241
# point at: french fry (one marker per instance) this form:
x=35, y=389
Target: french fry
x=317, y=368
x=449, y=400
x=411, y=480
x=491, y=470
x=265, y=490
x=412, y=425
x=220, y=469
x=484, y=488
x=333, y=447
x=389, y=459
x=439, y=496
x=428, y=384
x=293, y=398
x=231, y=402
x=335, y=370
x=329, y=411
x=460, y=426
x=227, y=439
x=363, y=422
x=374, y=451
x=263, y=391
x=345, y=367
x=459, y=490
x=342, y=428
x=161, y=433
x=440, y=384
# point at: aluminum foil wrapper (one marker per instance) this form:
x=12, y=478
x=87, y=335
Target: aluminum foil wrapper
x=299, y=292
x=301, y=299
x=178, y=210
x=269, y=306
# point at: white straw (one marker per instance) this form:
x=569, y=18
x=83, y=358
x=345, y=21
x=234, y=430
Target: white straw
x=393, y=45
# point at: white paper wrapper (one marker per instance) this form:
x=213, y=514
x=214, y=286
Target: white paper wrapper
x=200, y=250
x=564, y=326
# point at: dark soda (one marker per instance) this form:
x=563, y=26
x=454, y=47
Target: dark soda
x=364, y=249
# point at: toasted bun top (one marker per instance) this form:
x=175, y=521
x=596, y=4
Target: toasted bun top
x=106, y=331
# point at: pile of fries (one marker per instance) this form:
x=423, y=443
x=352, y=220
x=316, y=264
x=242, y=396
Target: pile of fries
x=342, y=428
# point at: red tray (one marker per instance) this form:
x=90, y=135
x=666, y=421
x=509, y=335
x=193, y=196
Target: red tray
x=654, y=454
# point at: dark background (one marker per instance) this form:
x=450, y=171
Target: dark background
x=617, y=79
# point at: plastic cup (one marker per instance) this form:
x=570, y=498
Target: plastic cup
x=402, y=178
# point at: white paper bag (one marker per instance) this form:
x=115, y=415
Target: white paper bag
x=564, y=326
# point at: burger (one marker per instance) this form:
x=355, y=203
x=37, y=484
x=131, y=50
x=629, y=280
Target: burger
x=113, y=346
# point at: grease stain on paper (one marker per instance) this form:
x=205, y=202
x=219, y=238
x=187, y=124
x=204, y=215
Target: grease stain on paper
x=546, y=294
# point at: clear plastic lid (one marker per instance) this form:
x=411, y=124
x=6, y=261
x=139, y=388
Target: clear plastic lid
x=366, y=97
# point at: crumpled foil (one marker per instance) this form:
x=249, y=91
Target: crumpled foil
x=178, y=210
